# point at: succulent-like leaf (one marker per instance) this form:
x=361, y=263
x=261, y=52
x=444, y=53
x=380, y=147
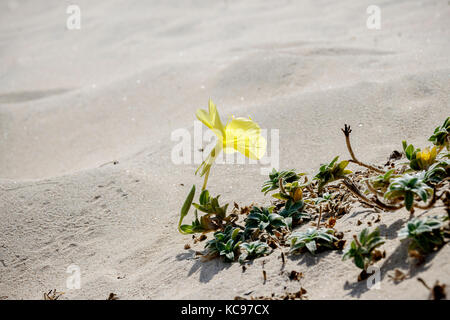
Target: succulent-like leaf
x=253, y=250
x=425, y=234
x=407, y=187
x=362, y=250
x=331, y=172
x=263, y=219
x=312, y=239
x=441, y=134
x=225, y=243
x=184, y=211
x=287, y=176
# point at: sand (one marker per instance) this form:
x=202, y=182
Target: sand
x=73, y=102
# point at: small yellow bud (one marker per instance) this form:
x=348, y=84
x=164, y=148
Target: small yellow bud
x=298, y=194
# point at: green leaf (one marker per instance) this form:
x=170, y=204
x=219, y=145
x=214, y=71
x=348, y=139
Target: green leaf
x=311, y=246
x=363, y=236
x=332, y=162
x=409, y=200
x=409, y=152
x=235, y=233
x=186, y=229
x=186, y=207
x=280, y=196
x=230, y=256
x=359, y=262
x=288, y=222
x=204, y=197
x=343, y=164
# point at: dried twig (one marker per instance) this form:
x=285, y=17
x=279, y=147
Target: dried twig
x=112, y=296
x=52, y=295
x=320, y=216
x=347, y=132
x=372, y=189
x=280, y=182
x=438, y=291
x=354, y=189
x=431, y=203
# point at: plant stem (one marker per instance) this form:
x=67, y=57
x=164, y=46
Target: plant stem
x=372, y=189
x=446, y=201
x=431, y=203
x=356, y=240
x=320, y=216
x=205, y=181
x=385, y=206
x=374, y=203
x=347, y=132
x=353, y=189
x=424, y=283
x=280, y=182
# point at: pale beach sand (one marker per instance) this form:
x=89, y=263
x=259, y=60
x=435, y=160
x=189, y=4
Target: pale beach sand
x=72, y=102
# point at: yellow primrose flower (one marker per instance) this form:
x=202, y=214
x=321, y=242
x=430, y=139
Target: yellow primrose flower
x=240, y=134
x=426, y=157
x=297, y=195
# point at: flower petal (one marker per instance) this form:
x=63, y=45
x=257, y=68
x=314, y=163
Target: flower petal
x=211, y=118
x=433, y=153
x=243, y=135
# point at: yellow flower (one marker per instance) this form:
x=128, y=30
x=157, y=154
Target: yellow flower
x=426, y=157
x=240, y=134
x=297, y=195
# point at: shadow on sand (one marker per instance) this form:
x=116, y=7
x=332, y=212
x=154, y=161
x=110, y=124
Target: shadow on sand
x=397, y=260
x=208, y=269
